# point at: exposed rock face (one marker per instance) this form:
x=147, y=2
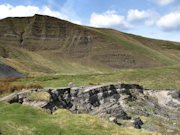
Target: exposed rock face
x=8, y=72
x=38, y=104
x=117, y=102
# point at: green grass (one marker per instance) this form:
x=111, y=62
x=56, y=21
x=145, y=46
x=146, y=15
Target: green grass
x=35, y=63
x=114, y=36
x=164, y=77
x=17, y=119
x=39, y=96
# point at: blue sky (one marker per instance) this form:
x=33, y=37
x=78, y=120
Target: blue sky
x=158, y=19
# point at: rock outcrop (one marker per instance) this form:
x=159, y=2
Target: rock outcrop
x=117, y=103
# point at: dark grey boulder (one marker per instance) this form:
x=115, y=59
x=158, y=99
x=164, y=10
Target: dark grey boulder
x=137, y=123
x=122, y=115
x=175, y=94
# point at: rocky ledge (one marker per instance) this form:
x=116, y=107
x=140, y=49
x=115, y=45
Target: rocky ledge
x=123, y=104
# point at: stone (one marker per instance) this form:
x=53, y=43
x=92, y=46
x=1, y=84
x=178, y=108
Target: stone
x=175, y=94
x=120, y=113
x=137, y=123
x=37, y=104
x=71, y=84
x=112, y=119
x=137, y=126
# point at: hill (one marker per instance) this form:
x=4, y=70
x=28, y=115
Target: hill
x=44, y=44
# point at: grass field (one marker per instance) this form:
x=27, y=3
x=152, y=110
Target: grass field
x=164, y=77
x=26, y=120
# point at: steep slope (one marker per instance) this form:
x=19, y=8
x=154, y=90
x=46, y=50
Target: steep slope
x=8, y=72
x=50, y=45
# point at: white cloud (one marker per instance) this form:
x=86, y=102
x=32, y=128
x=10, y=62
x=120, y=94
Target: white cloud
x=170, y=22
x=164, y=2
x=148, y=17
x=8, y=10
x=20, y=11
x=76, y=22
x=109, y=19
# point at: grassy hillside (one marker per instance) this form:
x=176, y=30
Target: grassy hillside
x=46, y=45
x=44, y=62
x=164, y=77
x=26, y=120
x=157, y=49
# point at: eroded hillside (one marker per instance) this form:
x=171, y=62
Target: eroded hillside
x=50, y=45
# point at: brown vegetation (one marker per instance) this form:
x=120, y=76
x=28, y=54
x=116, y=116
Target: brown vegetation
x=6, y=87
x=92, y=83
x=3, y=80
